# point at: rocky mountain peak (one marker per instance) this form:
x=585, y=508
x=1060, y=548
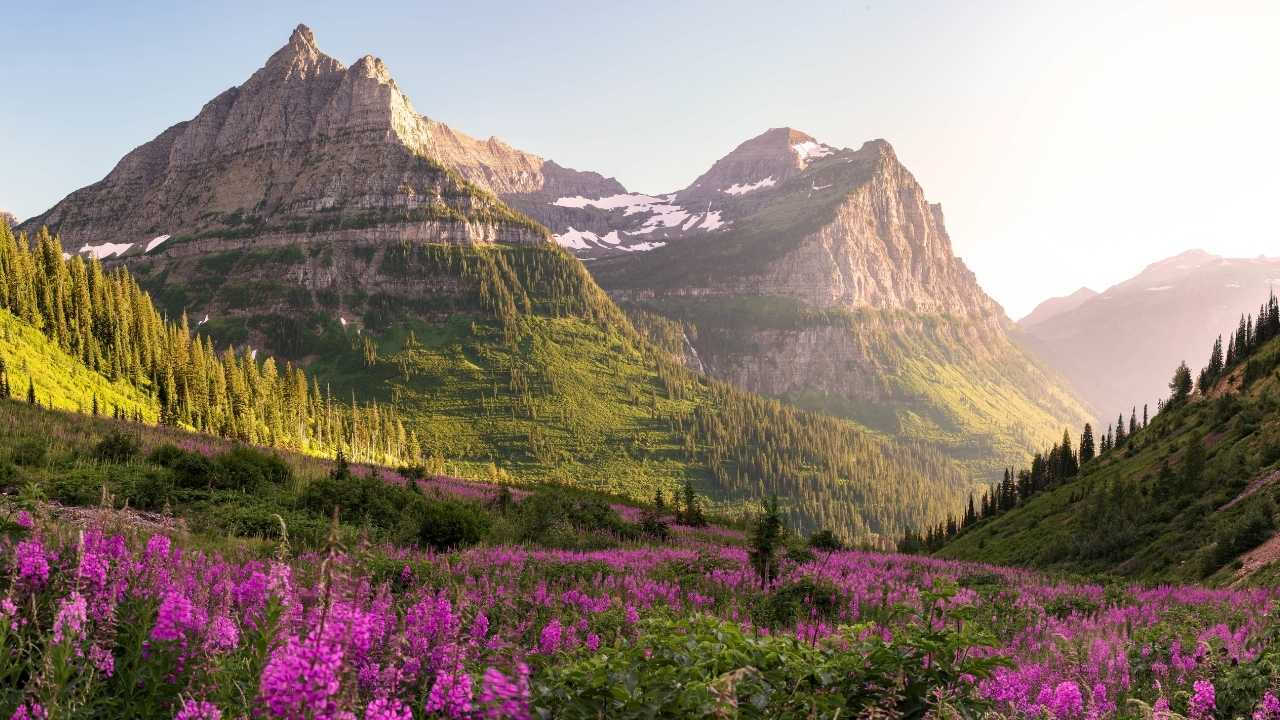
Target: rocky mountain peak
x=299, y=59
x=766, y=160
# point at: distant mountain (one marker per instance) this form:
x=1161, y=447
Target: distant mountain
x=1119, y=348
x=311, y=212
x=1056, y=306
x=823, y=276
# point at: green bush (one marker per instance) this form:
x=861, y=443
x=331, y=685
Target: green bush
x=449, y=524
x=149, y=488
x=77, y=487
x=8, y=474
x=247, y=468
x=703, y=667
x=166, y=455
x=30, y=453
x=557, y=517
x=117, y=447
x=360, y=499
x=803, y=599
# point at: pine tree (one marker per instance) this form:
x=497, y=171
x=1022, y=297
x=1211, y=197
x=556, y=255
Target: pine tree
x=1086, y=444
x=766, y=537
x=5, y=393
x=31, y=392
x=1133, y=421
x=1180, y=385
x=1120, y=435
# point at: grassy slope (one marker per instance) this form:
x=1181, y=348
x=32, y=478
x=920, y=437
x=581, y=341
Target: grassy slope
x=1121, y=517
x=61, y=381
x=553, y=386
x=974, y=403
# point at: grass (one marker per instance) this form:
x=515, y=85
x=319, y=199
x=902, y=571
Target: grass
x=61, y=381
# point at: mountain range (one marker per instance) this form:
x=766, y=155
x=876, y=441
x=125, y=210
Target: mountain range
x=1120, y=347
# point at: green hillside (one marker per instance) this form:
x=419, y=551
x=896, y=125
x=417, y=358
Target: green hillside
x=937, y=379
x=61, y=381
x=519, y=369
x=1190, y=497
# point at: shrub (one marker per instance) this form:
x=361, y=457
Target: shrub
x=561, y=518
x=246, y=468
x=30, y=453
x=78, y=487
x=798, y=600
x=8, y=474
x=360, y=499
x=117, y=447
x=826, y=541
x=193, y=471
x=150, y=488
x=449, y=524
x=166, y=455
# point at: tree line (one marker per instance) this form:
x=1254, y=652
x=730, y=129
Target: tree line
x=107, y=322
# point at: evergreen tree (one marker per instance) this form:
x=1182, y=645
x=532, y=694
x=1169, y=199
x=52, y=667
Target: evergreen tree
x=1180, y=385
x=766, y=537
x=1086, y=444
x=1120, y=434
x=1133, y=421
x=5, y=392
x=31, y=392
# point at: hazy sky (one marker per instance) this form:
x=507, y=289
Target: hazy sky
x=1070, y=143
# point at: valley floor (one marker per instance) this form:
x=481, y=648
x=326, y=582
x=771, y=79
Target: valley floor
x=115, y=612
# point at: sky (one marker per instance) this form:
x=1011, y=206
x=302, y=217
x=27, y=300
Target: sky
x=1070, y=144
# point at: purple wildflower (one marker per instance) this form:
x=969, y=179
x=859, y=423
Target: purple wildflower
x=451, y=694
x=1204, y=701
x=198, y=710
x=33, y=565
x=72, y=613
x=387, y=709
x=301, y=679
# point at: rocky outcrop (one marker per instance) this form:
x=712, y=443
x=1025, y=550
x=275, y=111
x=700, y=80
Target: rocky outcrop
x=308, y=145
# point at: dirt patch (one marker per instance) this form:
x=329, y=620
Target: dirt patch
x=1254, y=487
x=1257, y=558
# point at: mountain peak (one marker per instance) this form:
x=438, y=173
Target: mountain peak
x=303, y=37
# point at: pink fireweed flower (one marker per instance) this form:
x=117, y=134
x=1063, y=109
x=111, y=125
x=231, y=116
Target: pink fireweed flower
x=549, y=640
x=1269, y=709
x=1203, y=701
x=451, y=694
x=32, y=564
x=301, y=679
x=198, y=710
x=387, y=709
x=223, y=635
x=103, y=660
x=593, y=642
x=502, y=699
x=175, y=617
x=69, y=623
x=24, y=520
x=34, y=711
x=1067, y=701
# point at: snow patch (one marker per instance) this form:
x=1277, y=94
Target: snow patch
x=629, y=203
x=576, y=239
x=816, y=186
x=1160, y=288
x=1233, y=285
x=253, y=354
x=205, y=320
x=744, y=188
x=644, y=246
x=612, y=238
x=106, y=250
x=156, y=242
x=810, y=150
x=712, y=221
x=342, y=320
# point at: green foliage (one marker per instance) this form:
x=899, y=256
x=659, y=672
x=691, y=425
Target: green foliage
x=450, y=524
x=704, y=667
x=117, y=447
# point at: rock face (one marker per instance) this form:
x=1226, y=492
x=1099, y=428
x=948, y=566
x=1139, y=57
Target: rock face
x=832, y=283
x=308, y=145
x=1120, y=347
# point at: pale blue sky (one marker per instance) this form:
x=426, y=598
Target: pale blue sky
x=1069, y=143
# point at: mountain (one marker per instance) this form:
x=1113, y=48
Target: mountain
x=823, y=276
x=1119, y=347
x=1190, y=497
x=312, y=213
x=1056, y=306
